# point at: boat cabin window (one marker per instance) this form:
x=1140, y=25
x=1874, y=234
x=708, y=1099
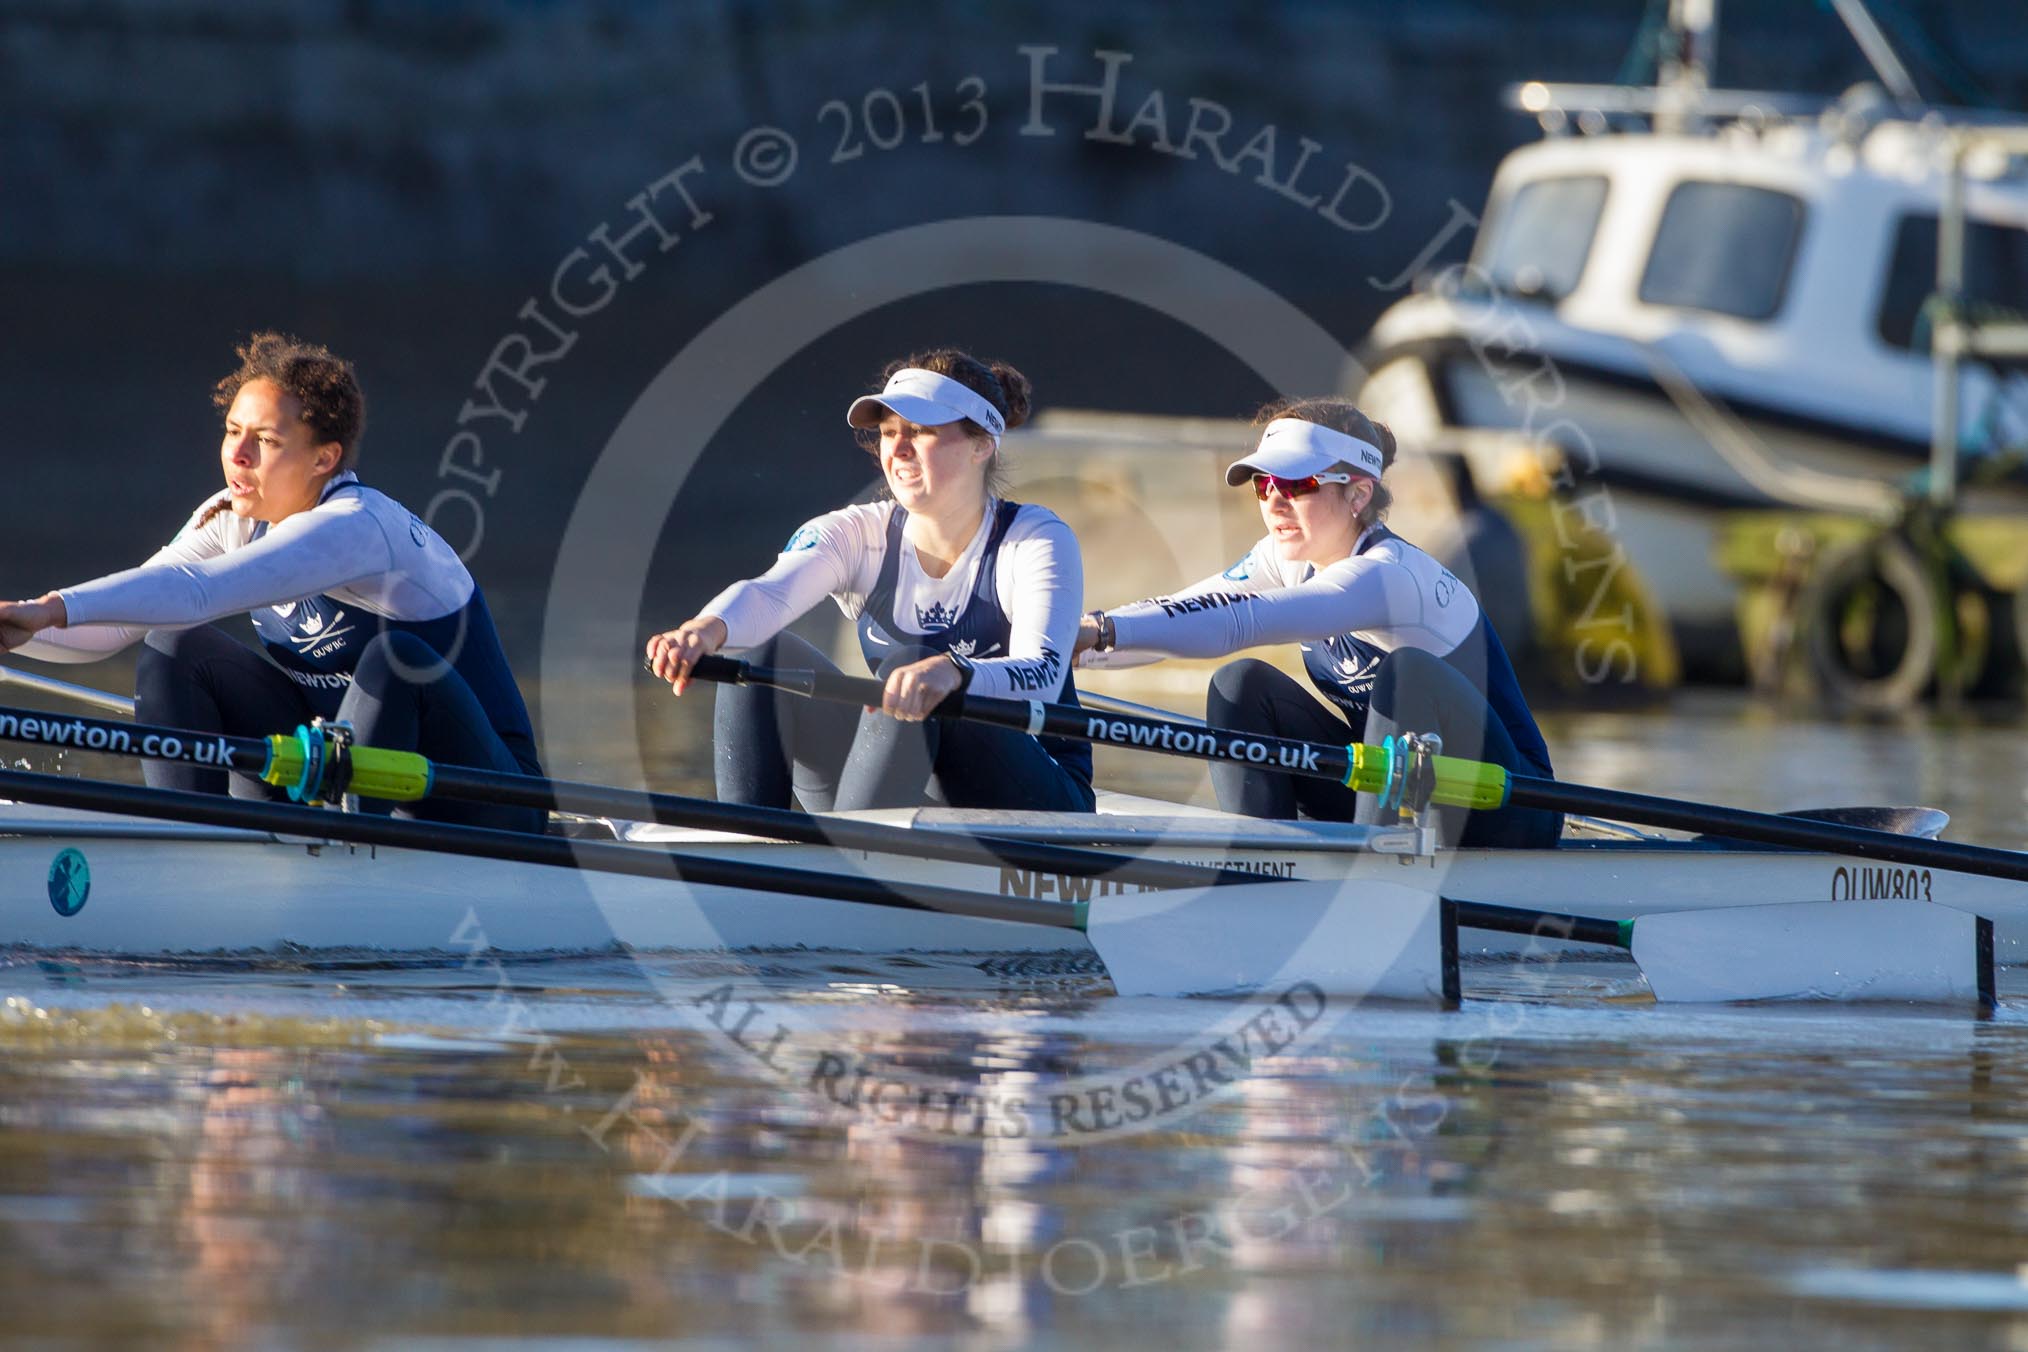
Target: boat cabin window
x=1724, y=247
x=1538, y=241
x=1996, y=275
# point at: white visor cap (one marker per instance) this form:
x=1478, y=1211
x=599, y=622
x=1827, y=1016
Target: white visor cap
x=928, y=400
x=1293, y=449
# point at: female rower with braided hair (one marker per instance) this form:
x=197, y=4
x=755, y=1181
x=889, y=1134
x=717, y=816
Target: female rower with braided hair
x=952, y=586
x=363, y=612
x=1390, y=639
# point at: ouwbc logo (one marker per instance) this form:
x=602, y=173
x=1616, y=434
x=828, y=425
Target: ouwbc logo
x=314, y=629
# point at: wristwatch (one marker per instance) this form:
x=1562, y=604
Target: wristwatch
x=1106, y=637
x=964, y=667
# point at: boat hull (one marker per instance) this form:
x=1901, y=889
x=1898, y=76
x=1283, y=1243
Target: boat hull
x=148, y=889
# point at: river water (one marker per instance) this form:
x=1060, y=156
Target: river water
x=574, y=1153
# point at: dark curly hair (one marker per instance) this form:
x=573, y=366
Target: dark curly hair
x=1342, y=415
x=323, y=383
x=997, y=382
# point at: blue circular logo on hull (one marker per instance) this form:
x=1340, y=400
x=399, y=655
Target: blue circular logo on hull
x=70, y=882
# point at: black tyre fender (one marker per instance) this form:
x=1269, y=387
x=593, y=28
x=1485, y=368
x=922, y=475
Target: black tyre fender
x=1870, y=615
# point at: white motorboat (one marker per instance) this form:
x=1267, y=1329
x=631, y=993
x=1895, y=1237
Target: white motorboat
x=1702, y=300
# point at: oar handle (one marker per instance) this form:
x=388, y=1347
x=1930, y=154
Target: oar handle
x=1367, y=769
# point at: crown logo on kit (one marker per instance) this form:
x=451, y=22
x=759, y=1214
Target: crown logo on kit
x=937, y=616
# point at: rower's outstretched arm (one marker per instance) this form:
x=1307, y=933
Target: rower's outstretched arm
x=312, y=552
x=817, y=562
x=65, y=638
x=84, y=643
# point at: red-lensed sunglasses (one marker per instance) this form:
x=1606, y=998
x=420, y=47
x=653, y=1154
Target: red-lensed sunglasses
x=1295, y=488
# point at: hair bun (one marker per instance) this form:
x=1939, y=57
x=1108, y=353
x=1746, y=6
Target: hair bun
x=1017, y=389
x=1386, y=441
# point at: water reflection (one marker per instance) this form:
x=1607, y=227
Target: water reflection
x=1561, y=1170
x=1301, y=1168
x=1576, y=1178
x=250, y=1130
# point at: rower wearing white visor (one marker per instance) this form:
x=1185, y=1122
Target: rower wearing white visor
x=363, y=613
x=951, y=586
x=1390, y=639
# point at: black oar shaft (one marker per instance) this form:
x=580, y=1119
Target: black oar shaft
x=523, y=848
x=1765, y=828
x=1328, y=762
x=71, y=732
x=1541, y=924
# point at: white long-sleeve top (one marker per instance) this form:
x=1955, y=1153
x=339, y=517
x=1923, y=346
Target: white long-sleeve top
x=1039, y=578
x=357, y=545
x=1391, y=596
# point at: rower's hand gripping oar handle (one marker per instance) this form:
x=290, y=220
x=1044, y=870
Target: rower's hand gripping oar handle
x=1451, y=781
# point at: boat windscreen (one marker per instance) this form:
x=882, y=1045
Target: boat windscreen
x=1996, y=276
x=1538, y=240
x=1725, y=248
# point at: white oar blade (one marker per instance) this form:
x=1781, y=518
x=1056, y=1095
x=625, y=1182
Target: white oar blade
x=1820, y=950
x=1369, y=940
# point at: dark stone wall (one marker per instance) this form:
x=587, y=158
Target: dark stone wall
x=400, y=179
x=347, y=139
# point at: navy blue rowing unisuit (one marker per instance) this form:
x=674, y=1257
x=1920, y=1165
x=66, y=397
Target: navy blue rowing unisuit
x=977, y=628
x=317, y=642
x=1343, y=667
x=1386, y=595
x=354, y=566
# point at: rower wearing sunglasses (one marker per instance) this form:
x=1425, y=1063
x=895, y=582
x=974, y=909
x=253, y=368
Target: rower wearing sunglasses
x=1390, y=638
x=951, y=586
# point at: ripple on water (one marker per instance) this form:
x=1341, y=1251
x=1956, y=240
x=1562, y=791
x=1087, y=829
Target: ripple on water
x=29, y=1024
x=1934, y=1289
